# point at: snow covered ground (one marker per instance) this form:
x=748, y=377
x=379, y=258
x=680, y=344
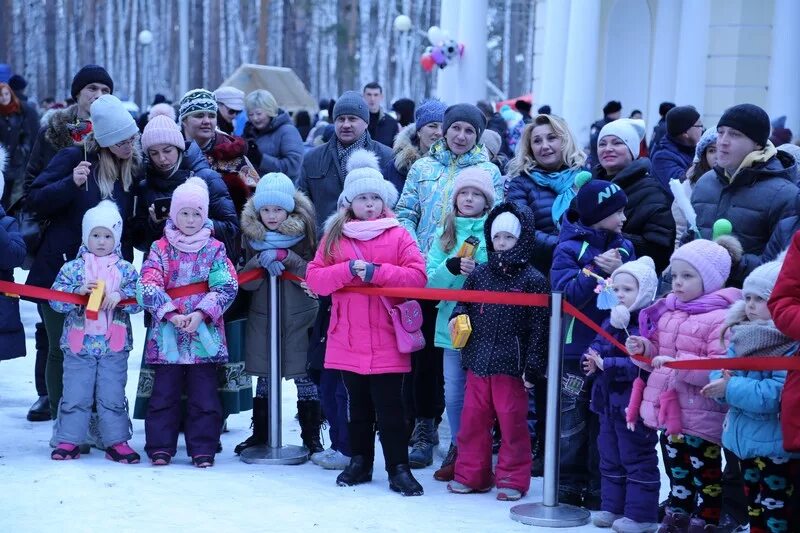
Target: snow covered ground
x=94, y=494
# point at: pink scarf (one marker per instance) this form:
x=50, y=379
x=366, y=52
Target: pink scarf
x=365, y=230
x=721, y=299
x=102, y=268
x=187, y=243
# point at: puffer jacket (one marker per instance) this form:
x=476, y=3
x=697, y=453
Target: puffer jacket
x=686, y=335
x=406, y=152
x=12, y=334
x=671, y=161
x=507, y=339
x=578, y=245
x=51, y=138
x=782, y=236
x=755, y=200
x=783, y=302
x=280, y=145
x=427, y=195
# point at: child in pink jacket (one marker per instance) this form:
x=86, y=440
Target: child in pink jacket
x=684, y=325
x=364, y=245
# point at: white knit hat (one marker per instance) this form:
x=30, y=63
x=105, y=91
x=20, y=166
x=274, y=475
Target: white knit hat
x=103, y=215
x=630, y=130
x=111, y=122
x=762, y=280
x=644, y=270
x=364, y=176
x=506, y=221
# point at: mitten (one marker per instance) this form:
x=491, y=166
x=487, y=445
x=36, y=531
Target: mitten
x=210, y=342
x=637, y=393
x=117, y=335
x=75, y=339
x=169, y=342
x=669, y=413
x=453, y=265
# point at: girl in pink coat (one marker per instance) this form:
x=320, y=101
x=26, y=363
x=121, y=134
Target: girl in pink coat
x=364, y=245
x=684, y=325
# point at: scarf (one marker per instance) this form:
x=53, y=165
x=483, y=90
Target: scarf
x=102, y=268
x=560, y=182
x=759, y=338
x=79, y=129
x=9, y=109
x=649, y=317
x=275, y=240
x=366, y=230
x=343, y=152
x=187, y=243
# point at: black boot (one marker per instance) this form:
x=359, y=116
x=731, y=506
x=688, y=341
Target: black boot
x=401, y=480
x=358, y=471
x=310, y=415
x=260, y=423
x=537, y=462
x=40, y=410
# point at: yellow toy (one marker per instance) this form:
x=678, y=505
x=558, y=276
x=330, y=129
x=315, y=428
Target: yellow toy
x=461, y=331
x=95, y=299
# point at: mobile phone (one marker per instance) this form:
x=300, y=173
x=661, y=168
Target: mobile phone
x=161, y=206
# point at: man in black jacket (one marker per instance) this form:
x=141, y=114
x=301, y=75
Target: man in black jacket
x=611, y=112
x=382, y=127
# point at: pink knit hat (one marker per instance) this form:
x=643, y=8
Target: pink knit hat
x=162, y=109
x=478, y=178
x=712, y=262
x=193, y=193
x=162, y=130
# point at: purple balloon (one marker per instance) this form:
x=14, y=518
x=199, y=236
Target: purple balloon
x=438, y=56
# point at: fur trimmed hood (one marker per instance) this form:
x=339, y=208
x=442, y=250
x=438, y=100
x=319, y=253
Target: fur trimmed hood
x=406, y=148
x=57, y=132
x=736, y=314
x=301, y=220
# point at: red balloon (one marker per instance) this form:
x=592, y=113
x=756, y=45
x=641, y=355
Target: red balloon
x=427, y=62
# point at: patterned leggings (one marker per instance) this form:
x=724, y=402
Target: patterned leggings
x=695, y=467
x=768, y=486
x=306, y=389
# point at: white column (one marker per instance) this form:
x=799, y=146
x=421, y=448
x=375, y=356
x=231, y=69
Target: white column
x=782, y=95
x=556, y=31
x=664, y=59
x=447, y=79
x=580, y=70
x=472, y=30
x=690, y=74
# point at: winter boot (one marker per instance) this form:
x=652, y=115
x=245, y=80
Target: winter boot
x=401, y=480
x=626, y=525
x=260, y=423
x=310, y=414
x=447, y=471
x=674, y=522
x=537, y=462
x=358, y=471
x=65, y=451
x=335, y=460
x=507, y=494
x=422, y=453
x=40, y=410
x=122, y=453
x=605, y=519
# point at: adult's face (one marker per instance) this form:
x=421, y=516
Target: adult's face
x=348, y=128
x=429, y=134
x=614, y=116
x=124, y=149
x=163, y=156
x=732, y=147
x=614, y=154
x=259, y=118
x=546, y=146
x=227, y=113
x=461, y=137
x=89, y=94
x=711, y=155
x=5, y=96
x=374, y=98
x=200, y=127
x=694, y=133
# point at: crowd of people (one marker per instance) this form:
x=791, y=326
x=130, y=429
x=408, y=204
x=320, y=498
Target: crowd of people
x=676, y=248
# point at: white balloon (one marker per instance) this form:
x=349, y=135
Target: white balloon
x=402, y=23
x=435, y=35
x=145, y=37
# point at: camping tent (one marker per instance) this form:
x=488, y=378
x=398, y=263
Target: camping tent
x=282, y=82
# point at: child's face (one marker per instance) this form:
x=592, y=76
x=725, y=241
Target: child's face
x=686, y=281
x=756, y=308
x=101, y=242
x=470, y=202
x=612, y=223
x=503, y=241
x=626, y=288
x=367, y=206
x=272, y=216
x=190, y=221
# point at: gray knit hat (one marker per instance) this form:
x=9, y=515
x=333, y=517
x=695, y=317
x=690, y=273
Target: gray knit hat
x=464, y=113
x=709, y=137
x=111, y=122
x=351, y=103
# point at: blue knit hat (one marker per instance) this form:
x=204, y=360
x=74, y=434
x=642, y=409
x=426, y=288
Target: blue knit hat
x=599, y=199
x=430, y=111
x=275, y=188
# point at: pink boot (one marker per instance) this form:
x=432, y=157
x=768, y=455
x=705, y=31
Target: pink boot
x=122, y=453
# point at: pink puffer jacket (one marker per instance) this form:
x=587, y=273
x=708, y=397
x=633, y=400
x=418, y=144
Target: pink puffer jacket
x=688, y=336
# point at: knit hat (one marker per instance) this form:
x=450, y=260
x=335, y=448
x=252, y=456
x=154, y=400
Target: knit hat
x=162, y=130
x=644, y=270
x=90, y=74
x=599, y=199
x=478, y=178
x=712, y=262
x=103, y=215
x=750, y=120
x=464, y=113
x=364, y=176
x=630, y=130
x=17, y=83
x=506, y=221
x=429, y=111
x=162, y=109
x=709, y=137
x=111, y=122
x=275, y=188
x=197, y=101
x=762, y=280
x=492, y=141
x=351, y=103
x=680, y=119
x=232, y=97
x=613, y=106
x=193, y=193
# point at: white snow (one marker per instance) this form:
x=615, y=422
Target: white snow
x=95, y=494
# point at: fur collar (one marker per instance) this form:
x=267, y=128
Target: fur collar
x=736, y=314
x=57, y=133
x=301, y=220
x=406, y=148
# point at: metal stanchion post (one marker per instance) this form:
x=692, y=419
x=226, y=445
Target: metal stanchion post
x=550, y=513
x=274, y=453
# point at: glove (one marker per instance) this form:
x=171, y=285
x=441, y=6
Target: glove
x=453, y=265
x=253, y=153
x=276, y=268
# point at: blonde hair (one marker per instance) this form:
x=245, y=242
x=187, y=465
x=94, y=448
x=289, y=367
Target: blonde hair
x=336, y=230
x=524, y=161
x=262, y=99
x=110, y=168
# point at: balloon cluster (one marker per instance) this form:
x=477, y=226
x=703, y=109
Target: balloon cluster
x=442, y=51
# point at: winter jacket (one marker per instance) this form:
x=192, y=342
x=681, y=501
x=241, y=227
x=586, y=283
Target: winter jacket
x=55, y=197
x=594, y=132
x=361, y=336
x=280, y=145
x=440, y=277
x=507, y=339
x=384, y=130
x=322, y=180
x=227, y=155
x=650, y=225
x=659, y=131
x=154, y=185
x=525, y=191
x=51, y=138
x=17, y=134
x=577, y=246
x=70, y=278
x=784, y=302
x=498, y=124
x=298, y=311
x=687, y=336
x=427, y=196
x=755, y=200
x=12, y=334
x=406, y=152
x=167, y=268
x=671, y=161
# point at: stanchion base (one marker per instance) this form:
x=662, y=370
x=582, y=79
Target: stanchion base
x=539, y=514
x=285, y=455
